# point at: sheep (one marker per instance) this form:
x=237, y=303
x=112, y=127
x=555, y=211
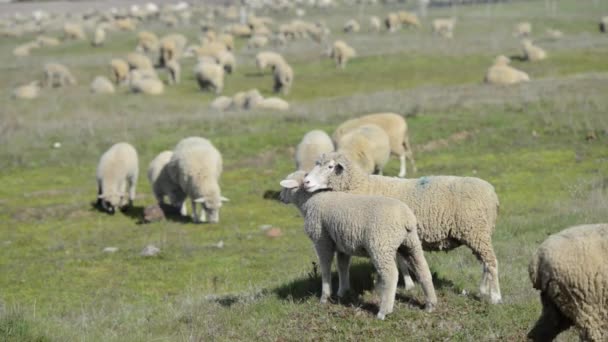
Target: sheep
x=246, y=99
x=523, y=29
x=444, y=27
x=272, y=103
x=196, y=166
x=380, y=228
x=502, y=73
x=392, y=22
x=226, y=60
x=171, y=47
x=532, y=52
x=569, y=268
x=102, y=85
x=161, y=183
x=351, y=26
x=341, y=53
x=408, y=19
x=554, y=34
x=147, y=42
x=120, y=70
x=28, y=91
x=451, y=211
x=209, y=75
x=139, y=61
x=283, y=78
x=604, y=24
x=144, y=82
x=125, y=24
x=73, y=31
x=268, y=58
x=257, y=41
x=394, y=125
x=221, y=103
x=117, y=174
x=238, y=30
x=47, y=41
x=174, y=69
x=313, y=144
x=57, y=75
x=367, y=146
x=227, y=40
x=99, y=37
x=25, y=49
x=375, y=24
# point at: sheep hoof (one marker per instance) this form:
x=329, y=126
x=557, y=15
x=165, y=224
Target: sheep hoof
x=429, y=307
x=323, y=300
x=495, y=298
x=381, y=316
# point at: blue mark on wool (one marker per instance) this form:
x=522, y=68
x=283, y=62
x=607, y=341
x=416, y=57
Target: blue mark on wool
x=423, y=181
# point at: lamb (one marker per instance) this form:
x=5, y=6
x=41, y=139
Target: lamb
x=196, y=166
x=175, y=71
x=144, y=82
x=394, y=125
x=408, y=19
x=451, y=211
x=283, y=78
x=147, y=42
x=73, y=31
x=221, y=103
x=367, y=146
x=102, y=85
x=268, y=58
x=139, y=61
x=375, y=24
x=313, y=144
x=502, y=73
x=341, y=53
x=569, y=268
x=57, y=75
x=271, y=103
x=209, y=75
x=117, y=174
x=99, y=37
x=161, y=183
x=444, y=27
x=120, y=70
x=532, y=52
x=257, y=41
x=28, y=91
x=373, y=226
x=523, y=29
x=351, y=26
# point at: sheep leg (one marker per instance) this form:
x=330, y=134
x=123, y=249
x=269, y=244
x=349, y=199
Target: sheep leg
x=412, y=251
x=197, y=218
x=402, y=169
x=343, y=273
x=386, y=266
x=482, y=248
x=325, y=253
x=407, y=279
x=132, y=184
x=550, y=323
x=183, y=209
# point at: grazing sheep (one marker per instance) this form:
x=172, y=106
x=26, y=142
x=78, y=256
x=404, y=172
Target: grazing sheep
x=28, y=91
x=257, y=41
x=271, y=103
x=408, y=19
x=604, y=24
x=175, y=71
x=502, y=73
x=139, y=61
x=367, y=146
x=451, y=211
x=117, y=174
x=73, y=31
x=144, y=82
x=57, y=75
x=569, y=268
x=227, y=60
x=268, y=58
x=221, y=103
x=120, y=70
x=341, y=53
x=99, y=37
x=102, y=85
x=523, y=29
x=313, y=144
x=373, y=226
x=161, y=183
x=532, y=52
x=196, y=166
x=392, y=22
x=147, y=42
x=394, y=125
x=227, y=40
x=352, y=26
x=209, y=75
x=444, y=27
x=375, y=24
x=283, y=78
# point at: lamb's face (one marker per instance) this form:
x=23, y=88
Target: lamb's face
x=318, y=177
x=290, y=186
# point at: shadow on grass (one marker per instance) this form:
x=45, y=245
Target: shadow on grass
x=272, y=195
x=518, y=58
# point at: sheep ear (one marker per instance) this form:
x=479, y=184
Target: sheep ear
x=200, y=200
x=289, y=183
x=224, y=199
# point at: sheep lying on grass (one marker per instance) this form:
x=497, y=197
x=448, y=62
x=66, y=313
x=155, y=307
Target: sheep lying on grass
x=523, y=29
x=451, y=211
x=102, y=85
x=532, y=52
x=271, y=103
x=283, y=78
x=28, y=91
x=352, y=26
x=145, y=83
x=313, y=144
x=367, y=146
x=502, y=73
x=373, y=226
x=570, y=270
x=394, y=125
x=117, y=174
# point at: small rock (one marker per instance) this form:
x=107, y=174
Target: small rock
x=274, y=232
x=153, y=213
x=534, y=134
x=150, y=250
x=56, y=144
x=110, y=250
x=265, y=227
x=220, y=244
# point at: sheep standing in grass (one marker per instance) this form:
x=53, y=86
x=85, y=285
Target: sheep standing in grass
x=352, y=26
x=313, y=144
x=394, y=125
x=451, y=211
x=444, y=27
x=604, y=24
x=257, y=41
x=283, y=78
x=117, y=174
x=120, y=70
x=227, y=60
x=57, y=75
x=502, y=73
x=392, y=22
x=532, y=52
x=102, y=85
x=28, y=91
x=161, y=183
x=373, y=226
x=408, y=19
x=367, y=146
x=73, y=31
x=523, y=29
x=570, y=270
x=268, y=59
x=375, y=24
x=99, y=37
x=209, y=75
x=174, y=70
x=342, y=53
x=139, y=61
x=147, y=42
x=196, y=166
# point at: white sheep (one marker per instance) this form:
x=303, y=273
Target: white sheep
x=120, y=70
x=283, y=78
x=209, y=75
x=604, y=24
x=502, y=73
x=271, y=103
x=268, y=59
x=73, y=31
x=102, y=85
x=99, y=37
x=570, y=270
x=147, y=42
x=392, y=22
x=352, y=26
x=523, y=29
x=161, y=183
x=532, y=52
x=451, y=211
x=367, y=146
x=28, y=91
x=25, y=49
x=117, y=174
x=394, y=125
x=408, y=19
x=313, y=144
x=221, y=103
x=227, y=60
x=375, y=24
x=196, y=166
x=246, y=99
x=444, y=27
x=57, y=75
x=341, y=53
x=145, y=82
x=372, y=226
x=139, y=61
x=257, y=41
x=175, y=71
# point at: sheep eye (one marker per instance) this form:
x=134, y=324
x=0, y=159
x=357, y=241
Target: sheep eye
x=331, y=166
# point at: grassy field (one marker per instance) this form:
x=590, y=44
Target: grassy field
x=529, y=141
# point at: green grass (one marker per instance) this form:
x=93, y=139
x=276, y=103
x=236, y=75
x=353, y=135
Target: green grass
x=529, y=141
